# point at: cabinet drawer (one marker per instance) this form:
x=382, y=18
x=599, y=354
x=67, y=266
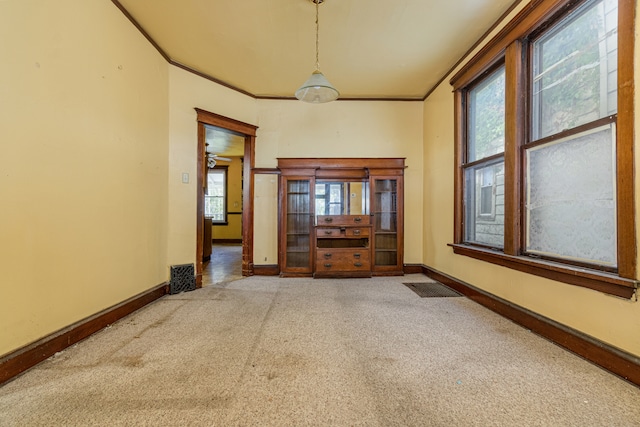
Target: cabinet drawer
x=342, y=232
x=341, y=220
x=343, y=260
x=357, y=232
x=328, y=232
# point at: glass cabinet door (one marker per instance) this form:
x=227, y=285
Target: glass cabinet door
x=298, y=225
x=385, y=222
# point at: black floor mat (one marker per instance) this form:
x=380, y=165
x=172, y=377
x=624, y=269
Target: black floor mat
x=432, y=290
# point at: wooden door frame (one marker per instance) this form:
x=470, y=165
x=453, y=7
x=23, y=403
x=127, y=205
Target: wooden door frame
x=249, y=133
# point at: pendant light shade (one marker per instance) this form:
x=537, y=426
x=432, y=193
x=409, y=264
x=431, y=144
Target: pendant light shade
x=317, y=88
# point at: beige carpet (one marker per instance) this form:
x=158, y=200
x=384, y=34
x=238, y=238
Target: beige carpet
x=278, y=352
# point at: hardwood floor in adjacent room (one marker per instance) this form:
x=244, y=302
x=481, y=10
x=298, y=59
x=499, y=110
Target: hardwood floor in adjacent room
x=224, y=266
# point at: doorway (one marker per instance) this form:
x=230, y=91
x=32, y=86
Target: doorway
x=222, y=242
x=224, y=265
x=237, y=216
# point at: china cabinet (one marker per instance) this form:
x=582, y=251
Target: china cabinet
x=341, y=217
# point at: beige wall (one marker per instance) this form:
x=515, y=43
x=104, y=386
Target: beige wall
x=83, y=170
x=265, y=248
x=347, y=129
x=288, y=129
x=186, y=92
x=610, y=319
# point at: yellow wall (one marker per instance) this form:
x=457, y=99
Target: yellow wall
x=186, y=92
x=83, y=168
x=233, y=229
x=610, y=319
x=288, y=129
x=353, y=198
x=348, y=129
x=265, y=204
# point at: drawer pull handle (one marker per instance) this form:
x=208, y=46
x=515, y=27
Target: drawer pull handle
x=328, y=265
x=327, y=232
x=356, y=232
x=327, y=255
x=357, y=264
x=356, y=255
x=357, y=219
x=327, y=219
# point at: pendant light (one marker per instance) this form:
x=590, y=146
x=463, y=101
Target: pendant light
x=317, y=88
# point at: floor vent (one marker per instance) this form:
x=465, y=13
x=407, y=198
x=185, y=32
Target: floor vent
x=432, y=290
x=183, y=279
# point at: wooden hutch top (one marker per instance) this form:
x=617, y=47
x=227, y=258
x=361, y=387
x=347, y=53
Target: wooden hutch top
x=341, y=167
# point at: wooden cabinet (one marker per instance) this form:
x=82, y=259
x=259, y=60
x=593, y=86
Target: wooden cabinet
x=296, y=225
x=342, y=246
x=341, y=217
x=388, y=239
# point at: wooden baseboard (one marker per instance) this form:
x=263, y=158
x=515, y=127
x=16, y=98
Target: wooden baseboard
x=412, y=268
x=26, y=357
x=238, y=241
x=266, y=270
x=614, y=360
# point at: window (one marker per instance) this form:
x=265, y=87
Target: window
x=215, y=199
x=329, y=198
x=570, y=187
x=544, y=146
x=485, y=160
x=487, y=192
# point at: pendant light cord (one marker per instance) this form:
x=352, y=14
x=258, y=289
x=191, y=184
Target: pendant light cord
x=317, y=2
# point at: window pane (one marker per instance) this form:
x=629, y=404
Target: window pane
x=335, y=199
x=571, y=206
x=486, y=117
x=214, y=200
x=484, y=204
x=575, y=70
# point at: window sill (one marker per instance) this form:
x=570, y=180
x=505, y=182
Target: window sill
x=592, y=279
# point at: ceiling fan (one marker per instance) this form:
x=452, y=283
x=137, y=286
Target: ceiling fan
x=212, y=159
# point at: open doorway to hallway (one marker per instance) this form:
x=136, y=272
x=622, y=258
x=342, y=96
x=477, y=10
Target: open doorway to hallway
x=225, y=202
x=223, y=206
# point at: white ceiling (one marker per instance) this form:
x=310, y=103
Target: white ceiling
x=396, y=49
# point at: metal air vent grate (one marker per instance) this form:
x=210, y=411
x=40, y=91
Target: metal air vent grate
x=183, y=278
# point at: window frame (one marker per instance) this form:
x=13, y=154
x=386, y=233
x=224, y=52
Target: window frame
x=511, y=45
x=224, y=171
x=488, y=161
